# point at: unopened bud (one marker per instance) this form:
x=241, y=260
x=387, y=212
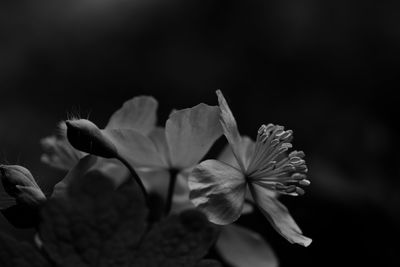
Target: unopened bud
x=19, y=183
x=85, y=136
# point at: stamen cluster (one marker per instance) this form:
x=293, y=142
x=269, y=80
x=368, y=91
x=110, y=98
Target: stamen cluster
x=270, y=165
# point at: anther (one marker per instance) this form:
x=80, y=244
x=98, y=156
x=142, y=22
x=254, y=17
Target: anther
x=304, y=182
x=300, y=191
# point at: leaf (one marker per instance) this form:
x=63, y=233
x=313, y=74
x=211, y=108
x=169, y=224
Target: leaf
x=19, y=254
x=179, y=240
x=94, y=225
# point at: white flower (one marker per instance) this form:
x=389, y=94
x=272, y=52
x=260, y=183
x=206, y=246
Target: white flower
x=219, y=189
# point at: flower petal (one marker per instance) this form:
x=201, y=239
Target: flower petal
x=158, y=181
x=137, y=114
x=78, y=171
x=245, y=148
x=181, y=200
x=190, y=134
x=160, y=141
x=112, y=169
x=218, y=190
x=58, y=153
x=155, y=181
x=278, y=215
x=136, y=148
x=241, y=247
x=230, y=129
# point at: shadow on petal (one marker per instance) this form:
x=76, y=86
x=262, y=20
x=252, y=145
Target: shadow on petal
x=218, y=190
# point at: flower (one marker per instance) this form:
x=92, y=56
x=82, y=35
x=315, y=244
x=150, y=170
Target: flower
x=219, y=189
x=191, y=126
x=153, y=151
x=170, y=152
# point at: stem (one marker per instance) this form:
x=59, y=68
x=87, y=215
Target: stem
x=172, y=181
x=136, y=177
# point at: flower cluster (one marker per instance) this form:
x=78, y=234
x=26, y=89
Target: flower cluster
x=167, y=161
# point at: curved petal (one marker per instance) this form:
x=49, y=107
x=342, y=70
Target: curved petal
x=138, y=113
x=181, y=200
x=190, y=134
x=112, y=169
x=160, y=141
x=278, y=215
x=155, y=181
x=136, y=148
x=230, y=128
x=241, y=247
x=245, y=149
x=218, y=190
x=78, y=171
x=59, y=154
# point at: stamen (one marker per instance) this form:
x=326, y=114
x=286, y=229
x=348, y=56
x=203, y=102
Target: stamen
x=305, y=182
x=270, y=165
x=267, y=145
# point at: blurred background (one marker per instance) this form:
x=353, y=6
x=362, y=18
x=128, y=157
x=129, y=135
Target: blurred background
x=326, y=69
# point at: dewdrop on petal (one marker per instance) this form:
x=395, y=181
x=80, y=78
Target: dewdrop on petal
x=19, y=183
x=85, y=136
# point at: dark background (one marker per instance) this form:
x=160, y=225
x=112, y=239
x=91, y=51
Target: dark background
x=326, y=69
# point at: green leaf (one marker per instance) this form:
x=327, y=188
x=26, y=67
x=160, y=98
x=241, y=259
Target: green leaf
x=19, y=254
x=94, y=225
x=179, y=240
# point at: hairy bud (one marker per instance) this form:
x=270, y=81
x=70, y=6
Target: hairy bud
x=19, y=183
x=85, y=136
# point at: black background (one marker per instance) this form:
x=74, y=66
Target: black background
x=326, y=69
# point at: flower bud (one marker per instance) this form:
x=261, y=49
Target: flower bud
x=19, y=183
x=85, y=136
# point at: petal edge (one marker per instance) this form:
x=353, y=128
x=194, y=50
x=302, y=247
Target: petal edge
x=279, y=216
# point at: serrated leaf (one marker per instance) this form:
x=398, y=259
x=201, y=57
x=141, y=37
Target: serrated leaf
x=19, y=254
x=179, y=240
x=94, y=225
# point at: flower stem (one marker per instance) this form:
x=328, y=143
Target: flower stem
x=136, y=177
x=172, y=181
